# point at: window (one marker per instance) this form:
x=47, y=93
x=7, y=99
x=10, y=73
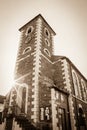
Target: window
x=29, y=30
x=28, y=39
x=62, y=98
x=76, y=84
x=57, y=95
x=47, y=32
x=47, y=52
x=47, y=42
x=27, y=50
x=81, y=118
x=23, y=99
x=84, y=90
x=47, y=112
x=42, y=113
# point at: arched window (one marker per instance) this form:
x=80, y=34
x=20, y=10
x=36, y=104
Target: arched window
x=19, y=97
x=29, y=30
x=76, y=84
x=81, y=118
x=28, y=49
x=23, y=98
x=84, y=90
x=47, y=52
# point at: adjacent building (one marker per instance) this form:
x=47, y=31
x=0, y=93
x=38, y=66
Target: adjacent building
x=49, y=92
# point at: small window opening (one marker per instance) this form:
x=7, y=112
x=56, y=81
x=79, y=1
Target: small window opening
x=28, y=39
x=27, y=50
x=47, y=33
x=47, y=52
x=29, y=30
x=47, y=42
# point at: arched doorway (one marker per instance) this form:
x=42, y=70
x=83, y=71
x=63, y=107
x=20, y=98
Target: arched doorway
x=81, y=117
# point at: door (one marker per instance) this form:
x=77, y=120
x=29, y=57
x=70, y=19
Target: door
x=63, y=111
x=62, y=119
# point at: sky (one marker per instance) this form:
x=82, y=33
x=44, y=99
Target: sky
x=68, y=18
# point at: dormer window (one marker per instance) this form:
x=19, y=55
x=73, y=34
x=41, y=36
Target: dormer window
x=47, y=33
x=29, y=30
x=47, y=52
x=28, y=49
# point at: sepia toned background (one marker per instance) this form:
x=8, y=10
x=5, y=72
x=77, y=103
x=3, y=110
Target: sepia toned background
x=68, y=18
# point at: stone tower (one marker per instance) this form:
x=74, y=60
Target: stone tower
x=49, y=92
x=32, y=74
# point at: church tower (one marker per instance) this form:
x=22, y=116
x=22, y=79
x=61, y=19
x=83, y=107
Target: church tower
x=32, y=76
x=49, y=92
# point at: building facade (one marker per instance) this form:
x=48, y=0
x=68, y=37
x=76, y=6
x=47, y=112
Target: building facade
x=49, y=91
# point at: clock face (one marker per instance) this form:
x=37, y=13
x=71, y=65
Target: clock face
x=28, y=39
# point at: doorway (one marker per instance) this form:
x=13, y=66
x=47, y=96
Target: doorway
x=62, y=119
x=63, y=111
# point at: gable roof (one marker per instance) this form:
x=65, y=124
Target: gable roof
x=56, y=58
